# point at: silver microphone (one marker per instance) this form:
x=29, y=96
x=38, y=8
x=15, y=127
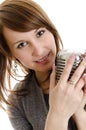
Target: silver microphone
x=61, y=60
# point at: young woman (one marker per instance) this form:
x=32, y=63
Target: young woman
x=38, y=102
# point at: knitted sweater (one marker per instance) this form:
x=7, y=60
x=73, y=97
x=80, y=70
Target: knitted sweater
x=29, y=112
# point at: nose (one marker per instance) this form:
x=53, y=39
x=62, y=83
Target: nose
x=37, y=49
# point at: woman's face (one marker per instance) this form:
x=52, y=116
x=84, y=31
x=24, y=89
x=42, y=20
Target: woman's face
x=35, y=49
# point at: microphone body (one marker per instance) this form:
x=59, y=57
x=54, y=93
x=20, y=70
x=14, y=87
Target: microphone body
x=61, y=60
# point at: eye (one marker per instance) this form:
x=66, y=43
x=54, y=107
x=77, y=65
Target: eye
x=21, y=45
x=40, y=33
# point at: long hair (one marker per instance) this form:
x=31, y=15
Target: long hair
x=21, y=16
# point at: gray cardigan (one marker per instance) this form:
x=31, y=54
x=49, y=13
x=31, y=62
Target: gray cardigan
x=29, y=112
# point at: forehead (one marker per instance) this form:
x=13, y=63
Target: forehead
x=7, y=31
x=11, y=35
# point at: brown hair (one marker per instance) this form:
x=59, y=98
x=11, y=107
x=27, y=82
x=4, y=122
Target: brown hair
x=22, y=16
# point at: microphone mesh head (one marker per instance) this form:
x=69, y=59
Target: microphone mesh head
x=61, y=60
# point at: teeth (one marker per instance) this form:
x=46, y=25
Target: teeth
x=41, y=60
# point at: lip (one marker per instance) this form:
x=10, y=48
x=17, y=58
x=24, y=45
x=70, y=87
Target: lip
x=43, y=60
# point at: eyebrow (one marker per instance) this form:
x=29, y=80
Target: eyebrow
x=18, y=41
x=35, y=30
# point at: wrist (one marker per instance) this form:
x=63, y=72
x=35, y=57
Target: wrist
x=80, y=116
x=54, y=121
x=80, y=120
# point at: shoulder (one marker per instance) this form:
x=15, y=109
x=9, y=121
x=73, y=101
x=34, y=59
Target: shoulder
x=25, y=84
x=24, y=88
x=25, y=93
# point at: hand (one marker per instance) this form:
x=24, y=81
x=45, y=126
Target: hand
x=81, y=113
x=64, y=96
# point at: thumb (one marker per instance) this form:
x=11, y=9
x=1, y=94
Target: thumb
x=52, y=77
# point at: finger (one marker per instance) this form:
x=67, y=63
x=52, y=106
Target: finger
x=79, y=71
x=52, y=77
x=80, y=84
x=67, y=69
x=85, y=84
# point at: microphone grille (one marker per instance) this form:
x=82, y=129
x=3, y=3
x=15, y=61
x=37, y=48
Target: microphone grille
x=61, y=60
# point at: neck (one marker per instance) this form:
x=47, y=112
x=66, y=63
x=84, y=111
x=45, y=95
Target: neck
x=43, y=80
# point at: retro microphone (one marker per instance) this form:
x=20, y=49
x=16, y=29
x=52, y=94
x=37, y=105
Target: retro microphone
x=61, y=60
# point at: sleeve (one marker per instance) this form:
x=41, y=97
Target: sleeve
x=16, y=113
x=18, y=120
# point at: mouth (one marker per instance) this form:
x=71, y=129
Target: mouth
x=43, y=59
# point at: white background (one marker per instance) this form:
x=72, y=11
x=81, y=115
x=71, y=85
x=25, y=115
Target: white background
x=69, y=16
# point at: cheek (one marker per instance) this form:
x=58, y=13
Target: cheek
x=24, y=58
x=52, y=44
x=25, y=61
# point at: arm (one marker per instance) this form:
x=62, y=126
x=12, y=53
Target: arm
x=54, y=122
x=80, y=120
x=17, y=119
x=16, y=113
x=65, y=97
